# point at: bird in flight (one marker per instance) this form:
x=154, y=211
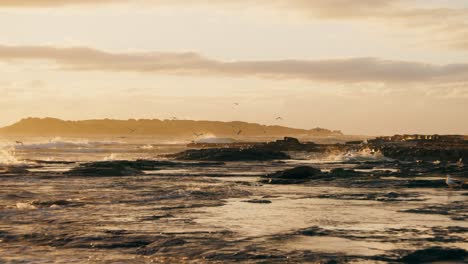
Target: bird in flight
x=19, y=142
x=131, y=130
x=239, y=132
x=279, y=118
x=198, y=134
x=236, y=104
x=173, y=118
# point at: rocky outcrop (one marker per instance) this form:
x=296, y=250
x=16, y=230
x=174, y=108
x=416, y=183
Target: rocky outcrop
x=117, y=167
x=293, y=176
x=447, y=148
x=231, y=154
x=436, y=254
x=288, y=144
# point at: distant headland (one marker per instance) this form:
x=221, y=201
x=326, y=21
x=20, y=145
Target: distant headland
x=155, y=127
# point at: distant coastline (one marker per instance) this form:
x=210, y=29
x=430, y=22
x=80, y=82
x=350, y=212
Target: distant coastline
x=155, y=127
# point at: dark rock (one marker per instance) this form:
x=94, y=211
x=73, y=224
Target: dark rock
x=340, y=172
x=381, y=197
x=157, y=217
x=117, y=167
x=314, y=231
x=14, y=170
x=288, y=144
x=57, y=203
x=426, y=184
x=456, y=210
x=53, y=162
x=161, y=245
x=231, y=154
x=104, y=169
x=448, y=148
x=301, y=172
x=292, y=176
x=435, y=254
x=259, y=201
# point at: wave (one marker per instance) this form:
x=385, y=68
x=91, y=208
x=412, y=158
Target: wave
x=147, y=147
x=8, y=157
x=363, y=155
x=60, y=143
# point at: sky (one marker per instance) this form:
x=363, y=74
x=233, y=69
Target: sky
x=374, y=67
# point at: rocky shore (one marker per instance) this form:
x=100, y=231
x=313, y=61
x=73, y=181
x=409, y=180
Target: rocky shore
x=278, y=202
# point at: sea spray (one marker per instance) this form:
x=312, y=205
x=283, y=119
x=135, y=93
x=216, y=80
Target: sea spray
x=8, y=155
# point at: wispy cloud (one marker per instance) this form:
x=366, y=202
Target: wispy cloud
x=350, y=70
x=444, y=25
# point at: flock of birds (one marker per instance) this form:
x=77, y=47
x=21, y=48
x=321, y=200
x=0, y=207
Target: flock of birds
x=236, y=130
x=449, y=180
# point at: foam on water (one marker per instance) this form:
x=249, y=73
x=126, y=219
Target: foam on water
x=7, y=156
x=363, y=155
x=147, y=147
x=60, y=143
x=111, y=157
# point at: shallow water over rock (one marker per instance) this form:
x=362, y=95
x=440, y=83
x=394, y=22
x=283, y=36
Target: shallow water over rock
x=182, y=212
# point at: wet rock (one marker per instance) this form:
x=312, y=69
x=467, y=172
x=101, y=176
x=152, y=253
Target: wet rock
x=434, y=254
x=117, y=167
x=157, y=217
x=456, y=210
x=315, y=231
x=57, y=203
x=231, y=154
x=53, y=162
x=104, y=169
x=340, y=172
x=296, y=175
x=245, y=256
x=14, y=170
x=258, y=201
x=161, y=245
x=288, y=144
x=422, y=147
x=373, y=196
x=426, y=184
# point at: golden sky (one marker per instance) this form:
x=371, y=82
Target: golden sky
x=361, y=66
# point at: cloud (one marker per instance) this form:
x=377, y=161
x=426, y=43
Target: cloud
x=350, y=70
x=54, y=3
x=446, y=20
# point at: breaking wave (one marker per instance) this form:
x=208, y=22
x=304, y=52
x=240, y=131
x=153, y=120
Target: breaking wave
x=363, y=155
x=7, y=156
x=59, y=143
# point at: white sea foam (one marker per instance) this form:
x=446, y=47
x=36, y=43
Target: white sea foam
x=59, y=143
x=111, y=157
x=25, y=206
x=363, y=155
x=7, y=156
x=147, y=147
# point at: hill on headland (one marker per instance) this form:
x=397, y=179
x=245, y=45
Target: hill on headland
x=153, y=127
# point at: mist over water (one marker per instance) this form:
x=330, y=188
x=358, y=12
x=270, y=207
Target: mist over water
x=83, y=149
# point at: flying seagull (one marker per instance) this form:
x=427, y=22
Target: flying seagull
x=236, y=104
x=132, y=130
x=19, y=143
x=198, y=134
x=279, y=118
